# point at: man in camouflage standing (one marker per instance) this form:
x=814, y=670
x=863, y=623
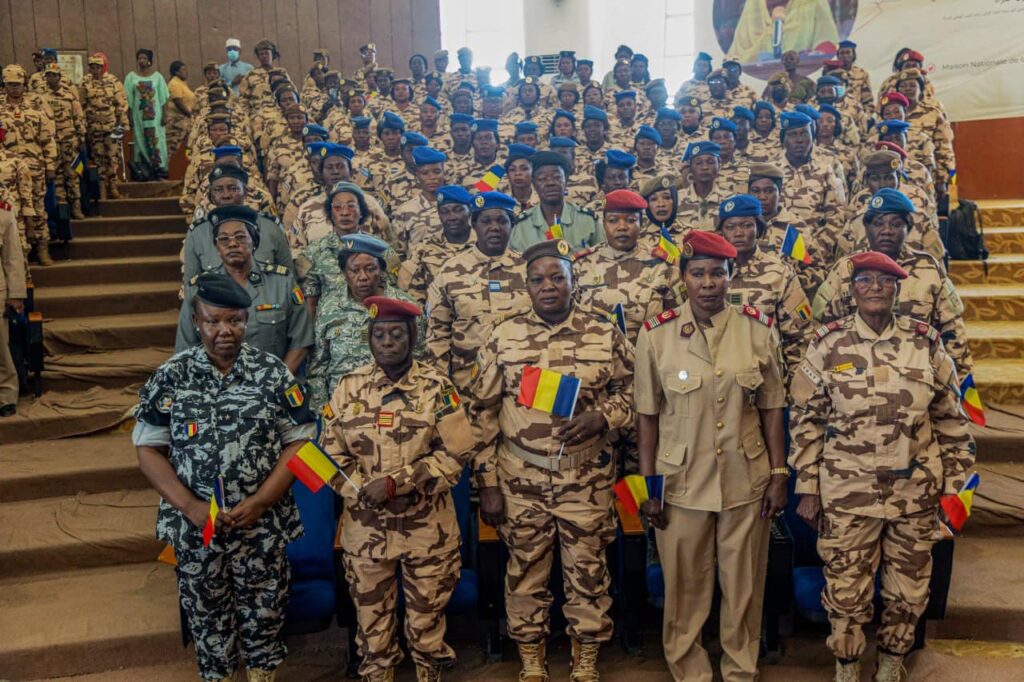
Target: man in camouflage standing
x=17, y=181
x=106, y=119
x=455, y=235
x=225, y=411
x=70, y=123
x=543, y=476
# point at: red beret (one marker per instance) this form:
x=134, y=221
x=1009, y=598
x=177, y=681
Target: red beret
x=624, y=200
x=708, y=245
x=875, y=260
x=898, y=97
x=913, y=55
x=893, y=147
x=383, y=308
x=833, y=63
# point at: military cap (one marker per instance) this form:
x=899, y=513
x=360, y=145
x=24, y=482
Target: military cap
x=403, y=79
x=779, y=77
x=631, y=94
x=355, y=92
x=657, y=184
x=315, y=148
x=551, y=248
x=484, y=125
x=567, y=53
x=334, y=149
x=244, y=214
x=743, y=113
x=48, y=51
x=453, y=194
x=227, y=150
x=668, y=113
x=829, y=109
x=829, y=80
x=533, y=59
x=360, y=122
x=592, y=113
x=384, y=309
x=413, y=138
x=739, y=205
x=624, y=201
x=654, y=83
x=435, y=76
x=638, y=57
x=568, y=86
x=219, y=172
x=221, y=291
x=460, y=118
x=562, y=113
x=766, y=170
x=762, y=105
x=695, y=149
x=887, y=200
x=531, y=80
x=294, y=108
x=519, y=151
x=848, y=43
x=881, y=161
x=794, y=119
x=895, y=97
x=440, y=53
x=703, y=244
x=278, y=71
x=585, y=62
x=52, y=67
x=549, y=158
x=208, y=66
x=879, y=262
x=616, y=158
x=391, y=121
x=807, y=110
x=688, y=101
x=560, y=141
x=912, y=55
x=526, y=127
x=464, y=50
x=492, y=91
x=13, y=73
x=321, y=52
x=830, y=65
x=96, y=59
x=314, y=129
x=730, y=59
x=717, y=74
x=892, y=146
x=265, y=45
x=363, y=243
x=432, y=102
x=646, y=132
x=486, y=200
x=386, y=70
x=464, y=88
x=368, y=47
x=910, y=75
x=702, y=57
x=424, y=156
x=719, y=123
x=351, y=188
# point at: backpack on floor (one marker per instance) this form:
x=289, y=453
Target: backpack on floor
x=965, y=234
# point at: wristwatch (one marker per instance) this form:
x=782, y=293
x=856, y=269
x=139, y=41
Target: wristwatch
x=779, y=471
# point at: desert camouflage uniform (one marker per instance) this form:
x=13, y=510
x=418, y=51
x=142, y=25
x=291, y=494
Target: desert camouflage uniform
x=16, y=182
x=927, y=294
x=424, y=448
x=257, y=197
x=923, y=234
x=196, y=185
x=547, y=496
x=254, y=90
x=932, y=121
x=693, y=88
x=507, y=122
x=105, y=106
x=472, y=171
x=858, y=88
x=199, y=252
x=397, y=183
x=424, y=262
x=816, y=195
x=810, y=274
x=413, y=221
x=235, y=426
x=763, y=149
x=701, y=213
x=621, y=135
x=285, y=151
x=879, y=434
x=30, y=136
x=297, y=179
x=580, y=228
x=69, y=121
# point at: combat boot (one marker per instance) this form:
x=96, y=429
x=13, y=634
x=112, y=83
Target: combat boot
x=535, y=664
x=584, y=661
x=890, y=668
x=381, y=676
x=428, y=673
x=113, y=192
x=76, y=212
x=255, y=675
x=847, y=672
x=43, y=254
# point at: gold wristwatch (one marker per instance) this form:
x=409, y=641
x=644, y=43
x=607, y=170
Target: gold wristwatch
x=779, y=471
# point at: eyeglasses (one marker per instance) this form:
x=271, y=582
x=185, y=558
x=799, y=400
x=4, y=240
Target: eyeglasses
x=227, y=239
x=867, y=281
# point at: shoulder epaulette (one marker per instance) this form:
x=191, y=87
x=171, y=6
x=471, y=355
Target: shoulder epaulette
x=661, y=318
x=583, y=253
x=275, y=269
x=522, y=216
x=925, y=329
x=587, y=211
x=826, y=329
x=751, y=311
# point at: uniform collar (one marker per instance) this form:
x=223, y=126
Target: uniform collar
x=867, y=333
x=405, y=384
x=567, y=323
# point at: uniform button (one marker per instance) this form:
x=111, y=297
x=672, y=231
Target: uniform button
x=720, y=425
x=718, y=372
x=720, y=400
x=719, y=451
x=758, y=443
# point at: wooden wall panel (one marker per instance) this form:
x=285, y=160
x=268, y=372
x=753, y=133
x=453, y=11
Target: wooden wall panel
x=355, y=32
x=990, y=158
x=167, y=44
x=308, y=16
x=72, y=25
x=24, y=34
x=288, y=37
x=144, y=17
x=6, y=34
x=380, y=31
x=329, y=23
x=127, y=44
x=189, y=39
x=401, y=35
x=46, y=14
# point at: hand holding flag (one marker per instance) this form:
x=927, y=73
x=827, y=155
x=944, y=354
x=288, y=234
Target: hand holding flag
x=314, y=467
x=216, y=506
x=971, y=401
x=634, y=490
x=957, y=508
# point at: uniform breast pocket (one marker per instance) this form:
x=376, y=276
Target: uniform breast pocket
x=749, y=381
x=190, y=425
x=593, y=366
x=256, y=423
x=273, y=316
x=418, y=431
x=683, y=395
x=850, y=393
x=917, y=388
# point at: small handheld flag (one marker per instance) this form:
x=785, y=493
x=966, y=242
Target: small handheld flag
x=793, y=246
x=625, y=495
x=216, y=505
x=490, y=180
x=971, y=401
x=78, y=165
x=958, y=507
x=548, y=391
x=314, y=467
x=666, y=249
x=634, y=490
x=555, y=231
x=620, y=317
x=953, y=190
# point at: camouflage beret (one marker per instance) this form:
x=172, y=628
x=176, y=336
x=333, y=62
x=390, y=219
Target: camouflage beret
x=550, y=248
x=657, y=184
x=881, y=161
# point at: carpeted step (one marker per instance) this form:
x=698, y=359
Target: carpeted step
x=991, y=339
x=998, y=509
x=157, y=188
x=82, y=531
x=1004, y=239
x=108, y=299
x=89, y=620
x=162, y=244
x=1002, y=437
x=1003, y=268
x=109, y=369
x=107, y=271
x=58, y=468
x=986, y=596
x=62, y=415
x=1000, y=380
x=1001, y=212
x=992, y=301
x=139, y=207
x=129, y=225
x=110, y=332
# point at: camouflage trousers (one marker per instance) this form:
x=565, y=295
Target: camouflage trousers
x=427, y=584
x=853, y=548
x=66, y=183
x=106, y=154
x=576, y=509
x=235, y=600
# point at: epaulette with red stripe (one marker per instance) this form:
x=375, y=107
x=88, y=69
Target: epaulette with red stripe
x=826, y=329
x=583, y=253
x=661, y=318
x=925, y=329
x=751, y=311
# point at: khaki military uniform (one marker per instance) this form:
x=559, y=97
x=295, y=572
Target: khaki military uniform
x=312, y=222
x=285, y=151
x=397, y=183
x=16, y=185
x=701, y=213
x=30, y=136
x=413, y=221
x=424, y=262
x=693, y=88
x=69, y=121
x=763, y=149
x=580, y=228
x=810, y=274
x=202, y=160
x=550, y=490
x=105, y=106
x=931, y=119
x=858, y=88
x=507, y=122
x=621, y=135
x=879, y=435
x=816, y=194
x=707, y=386
x=923, y=234
x=257, y=197
x=472, y=170
x=296, y=180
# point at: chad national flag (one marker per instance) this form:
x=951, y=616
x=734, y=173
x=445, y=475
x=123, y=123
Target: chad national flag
x=78, y=165
x=549, y=391
x=216, y=505
x=489, y=182
x=555, y=231
x=971, y=401
x=958, y=507
x=666, y=249
x=312, y=466
x=793, y=245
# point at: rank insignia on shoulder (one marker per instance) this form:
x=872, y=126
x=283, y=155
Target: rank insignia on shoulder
x=583, y=253
x=751, y=311
x=275, y=268
x=297, y=297
x=826, y=329
x=294, y=395
x=687, y=330
x=925, y=329
x=661, y=318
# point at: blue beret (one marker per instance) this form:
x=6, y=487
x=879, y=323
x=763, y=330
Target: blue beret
x=414, y=139
x=48, y=51
x=592, y=113
x=848, y=43
x=743, y=113
x=669, y=113
x=432, y=102
x=695, y=149
x=564, y=114
x=640, y=58
x=560, y=141
x=453, y=194
x=483, y=125
x=807, y=110
x=892, y=126
x=619, y=159
x=492, y=91
x=703, y=57
x=460, y=118
x=761, y=105
x=829, y=80
x=361, y=122
x=794, y=119
x=829, y=109
x=888, y=200
x=391, y=121
x=486, y=200
x=423, y=155
x=739, y=205
x=567, y=53
x=519, y=151
x=625, y=93
x=314, y=129
x=526, y=127
x=316, y=147
x=585, y=62
x=221, y=291
x=359, y=242
x=646, y=132
x=335, y=149
x=719, y=123
x=227, y=150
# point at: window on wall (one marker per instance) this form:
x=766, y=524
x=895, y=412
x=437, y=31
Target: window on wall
x=491, y=30
x=680, y=42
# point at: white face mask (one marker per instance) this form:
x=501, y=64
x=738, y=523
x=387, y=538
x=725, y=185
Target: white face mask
x=233, y=55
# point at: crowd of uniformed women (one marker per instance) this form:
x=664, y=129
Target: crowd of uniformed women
x=551, y=283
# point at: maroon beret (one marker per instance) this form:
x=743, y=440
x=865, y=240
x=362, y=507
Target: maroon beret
x=624, y=200
x=879, y=262
x=383, y=308
x=700, y=243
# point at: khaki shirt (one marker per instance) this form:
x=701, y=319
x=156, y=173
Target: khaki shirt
x=706, y=386
x=424, y=262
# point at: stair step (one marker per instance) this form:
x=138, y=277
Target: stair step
x=1004, y=239
x=1000, y=380
x=107, y=271
x=992, y=339
x=108, y=299
x=139, y=206
x=998, y=509
x=120, y=226
x=1003, y=268
x=1002, y=438
x=1001, y=212
x=82, y=531
x=89, y=621
x=110, y=332
x=157, y=188
x=995, y=302
x=81, y=248
x=109, y=369
x=62, y=415
x=57, y=468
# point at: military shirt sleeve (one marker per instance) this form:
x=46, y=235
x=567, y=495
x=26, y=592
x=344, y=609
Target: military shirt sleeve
x=647, y=388
x=949, y=422
x=332, y=440
x=828, y=301
x=809, y=416
x=294, y=420
x=794, y=321
x=300, y=326
x=485, y=406
x=771, y=394
x=617, y=405
x=440, y=317
x=282, y=251
x=153, y=412
x=186, y=336
x=949, y=322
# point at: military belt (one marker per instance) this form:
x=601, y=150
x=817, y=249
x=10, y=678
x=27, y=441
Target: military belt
x=572, y=457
